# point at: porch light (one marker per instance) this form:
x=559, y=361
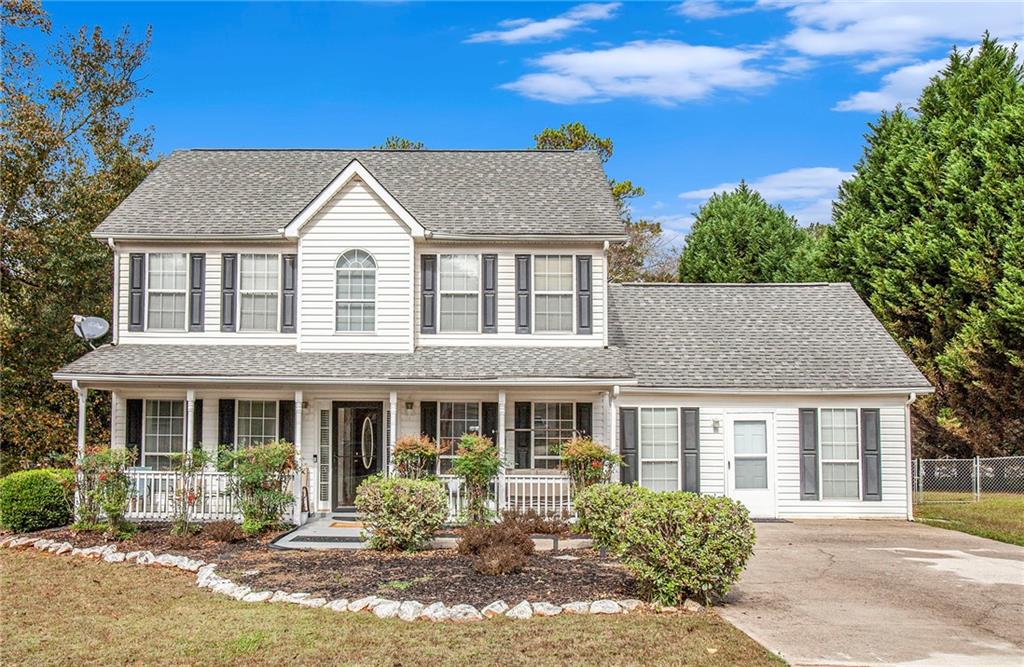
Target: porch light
x=408, y=407
x=716, y=424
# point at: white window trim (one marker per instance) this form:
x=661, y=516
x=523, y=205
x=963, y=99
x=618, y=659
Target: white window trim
x=479, y=427
x=149, y=290
x=640, y=446
x=277, y=416
x=184, y=429
x=441, y=292
x=534, y=292
x=376, y=293
x=533, y=434
x=238, y=282
x=821, y=462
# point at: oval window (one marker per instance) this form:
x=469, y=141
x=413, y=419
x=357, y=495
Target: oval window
x=366, y=445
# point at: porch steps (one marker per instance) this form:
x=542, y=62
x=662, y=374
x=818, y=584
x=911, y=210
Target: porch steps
x=325, y=532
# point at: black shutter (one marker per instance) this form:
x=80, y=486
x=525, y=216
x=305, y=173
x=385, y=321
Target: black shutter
x=489, y=421
x=871, y=453
x=136, y=291
x=522, y=294
x=629, y=436
x=808, y=454
x=428, y=295
x=133, y=427
x=584, y=295
x=523, y=412
x=226, y=421
x=197, y=291
x=428, y=419
x=691, y=449
x=228, y=291
x=288, y=293
x=489, y=292
x=585, y=419
x=286, y=420
x=197, y=424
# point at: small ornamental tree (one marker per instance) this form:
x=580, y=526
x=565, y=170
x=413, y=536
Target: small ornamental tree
x=415, y=456
x=261, y=476
x=188, y=489
x=105, y=488
x=477, y=462
x=587, y=462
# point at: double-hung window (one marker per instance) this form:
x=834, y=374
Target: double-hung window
x=166, y=285
x=355, y=298
x=840, y=454
x=163, y=433
x=553, y=424
x=258, y=286
x=460, y=293
x=256, y=422
x=659, y=448
x=553, y=293
x=454, y=420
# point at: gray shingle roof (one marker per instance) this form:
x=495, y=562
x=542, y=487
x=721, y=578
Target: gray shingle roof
x=811, y=336
x=256, y=192
x=426, y=363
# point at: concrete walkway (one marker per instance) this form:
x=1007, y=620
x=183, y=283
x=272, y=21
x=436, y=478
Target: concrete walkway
x=882, y=592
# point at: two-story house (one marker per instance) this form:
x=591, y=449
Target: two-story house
x=340, y=299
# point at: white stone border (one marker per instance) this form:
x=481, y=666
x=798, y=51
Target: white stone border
x=408, y=610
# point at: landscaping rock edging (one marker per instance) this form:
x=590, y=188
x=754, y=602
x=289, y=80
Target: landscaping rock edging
x=406, y=610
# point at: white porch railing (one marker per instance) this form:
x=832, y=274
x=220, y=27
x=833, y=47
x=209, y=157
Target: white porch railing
x=155, y=492
x=546, y=494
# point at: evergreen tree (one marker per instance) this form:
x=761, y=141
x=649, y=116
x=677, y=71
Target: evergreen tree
x=397, y=143
x=738, y=237
x=930, y=231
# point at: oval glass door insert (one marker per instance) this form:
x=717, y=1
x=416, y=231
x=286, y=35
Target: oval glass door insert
x=366, y=444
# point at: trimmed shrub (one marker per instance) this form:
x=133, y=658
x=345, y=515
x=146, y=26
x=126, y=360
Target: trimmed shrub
x=681, y=545
x=401, y=514
x=36, y=499
x=600, y=507
x=496, y=549
x=261, y=478
x=477, y=462
x=587, y=462
x=415, y=456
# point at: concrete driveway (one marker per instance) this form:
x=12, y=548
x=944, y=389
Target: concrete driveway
x=881, y=592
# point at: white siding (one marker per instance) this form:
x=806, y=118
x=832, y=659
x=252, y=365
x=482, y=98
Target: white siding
x=506, y=296
x=355, y=218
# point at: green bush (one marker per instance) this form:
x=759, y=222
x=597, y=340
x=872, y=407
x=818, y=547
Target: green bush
x=401, y=514
x=681, y=545
x=599, y=508
x=477, y=462
x=261, y=478
x=36, y=499
x=587, y=462
x=106, y=489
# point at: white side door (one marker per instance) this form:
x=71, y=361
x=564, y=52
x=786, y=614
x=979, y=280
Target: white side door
x=750, y=462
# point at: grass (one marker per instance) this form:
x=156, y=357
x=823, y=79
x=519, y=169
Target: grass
x=995, y=516
x=61, y=611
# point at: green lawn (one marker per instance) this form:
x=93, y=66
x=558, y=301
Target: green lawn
x=996, y=516
x=55, y=610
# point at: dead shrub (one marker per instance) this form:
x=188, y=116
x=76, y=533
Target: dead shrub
x=223, y=531
x=532, y=522
x=500, y=559
x=499, y=548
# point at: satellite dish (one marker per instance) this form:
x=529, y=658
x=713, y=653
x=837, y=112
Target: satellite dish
x=90, y=328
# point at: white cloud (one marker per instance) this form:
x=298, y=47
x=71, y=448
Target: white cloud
x=806, y=193
x=708, y=9
x=515, y=31
x=899, y=87
x=663, y=71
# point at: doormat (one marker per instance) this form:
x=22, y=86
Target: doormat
x=346, y=524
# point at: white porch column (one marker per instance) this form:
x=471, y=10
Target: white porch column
x=613, y=426
x=392, y=430
x=502, y=450
x=190, y=416
x=83, y=394
x=297, y=507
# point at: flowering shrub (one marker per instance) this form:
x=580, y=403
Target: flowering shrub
x=36, y=499
x=188, y=490
x=587, y=462
x=477, y=462
x=261, y=478
x=400, y=513
x=415, y=456
x=105, y=489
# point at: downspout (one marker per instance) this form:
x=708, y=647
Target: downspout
x=604, y=287
x=910, y=461
x=114, y=291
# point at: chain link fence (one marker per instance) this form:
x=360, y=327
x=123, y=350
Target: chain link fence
x=967, y=480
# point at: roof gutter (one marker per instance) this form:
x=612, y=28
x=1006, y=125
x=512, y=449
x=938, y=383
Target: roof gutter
x=593, y=238
x=306, y=380
x=187, y=237
x=434, y=236
x=746, y=391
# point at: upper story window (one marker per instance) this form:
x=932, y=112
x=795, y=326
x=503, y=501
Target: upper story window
x=356, y=292
x=258, y=287
x=460, y=293
x=840, y=454
x=166, y=284
x=553, y=293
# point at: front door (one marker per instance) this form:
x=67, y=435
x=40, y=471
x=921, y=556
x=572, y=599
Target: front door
x=751, y=462
x=358, y=447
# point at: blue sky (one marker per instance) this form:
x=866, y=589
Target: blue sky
x=696, y=95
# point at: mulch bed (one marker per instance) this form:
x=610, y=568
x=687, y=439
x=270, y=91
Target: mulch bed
x=428, y=576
